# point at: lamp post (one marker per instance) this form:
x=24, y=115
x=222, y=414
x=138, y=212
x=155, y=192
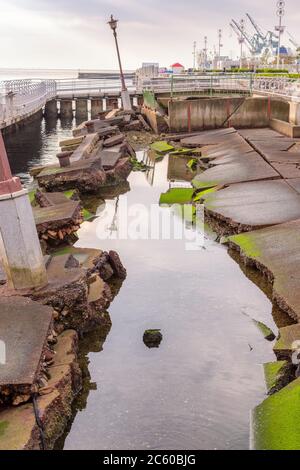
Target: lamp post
x=113, y=23
x=280, y=29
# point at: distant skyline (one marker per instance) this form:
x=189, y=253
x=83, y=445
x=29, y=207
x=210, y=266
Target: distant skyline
x=74, y=34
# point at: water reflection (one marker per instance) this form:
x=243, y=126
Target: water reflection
x=196, y=390
x=36, y=143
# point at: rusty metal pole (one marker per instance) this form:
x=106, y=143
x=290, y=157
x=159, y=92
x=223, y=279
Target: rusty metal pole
x=124, y=88
x=125, y=94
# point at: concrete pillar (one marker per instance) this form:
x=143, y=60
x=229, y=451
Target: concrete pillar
x=140, y=100
x=66, y=108
x=96, y=107
x=51, y=108
x=126, y=102
x=111, y=103
x=81, y=108
x=20, y=250
x=294, y=117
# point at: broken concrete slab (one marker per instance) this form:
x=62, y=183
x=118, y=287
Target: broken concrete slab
x=288, y=341
x=109, y=158
x=277, y=375
x=86, y=175
x=25, y=326
x=260, y=134
x=253, y=205
x=208, y=137
x=85, y=148
x=18, y=427
x=250, y=167
x=58, y=223
x=294, y=183
x=115, y=140
x=287, y=170
x=275, y=252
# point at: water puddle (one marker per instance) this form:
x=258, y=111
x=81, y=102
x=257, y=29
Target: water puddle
x=196, y=390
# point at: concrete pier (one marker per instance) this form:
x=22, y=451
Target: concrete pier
x=51, y=108
x=81, y=108
x=66, y=108
x=96, y=107
x=112, y=103
x=20, y=250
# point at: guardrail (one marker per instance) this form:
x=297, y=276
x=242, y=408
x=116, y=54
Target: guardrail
x=197, y=84
x=90, y=87
x=21, y=98
x=282, y=87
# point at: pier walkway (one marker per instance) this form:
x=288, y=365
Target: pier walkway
x=20, y=99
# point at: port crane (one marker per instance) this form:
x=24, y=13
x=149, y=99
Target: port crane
x=258, y=43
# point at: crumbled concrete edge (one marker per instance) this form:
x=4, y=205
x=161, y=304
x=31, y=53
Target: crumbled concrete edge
x=18, y=427
x=276, y=297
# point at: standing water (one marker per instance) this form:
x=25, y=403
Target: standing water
x=197, y=389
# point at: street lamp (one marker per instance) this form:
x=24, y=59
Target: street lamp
x=113, y=23
x=280, y=28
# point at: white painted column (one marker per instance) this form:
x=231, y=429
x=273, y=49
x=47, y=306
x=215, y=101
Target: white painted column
x=20, y=249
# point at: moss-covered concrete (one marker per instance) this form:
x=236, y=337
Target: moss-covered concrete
x=277, y=375
x=161, y=147
x=177, y=196
x=275, y=423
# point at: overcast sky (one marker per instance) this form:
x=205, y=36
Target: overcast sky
x=74, y=33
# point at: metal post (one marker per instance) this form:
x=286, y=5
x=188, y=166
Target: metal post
x=194, y=54
x=241, y=41
x=125, y=95
x=279, y=28
x=220, y=45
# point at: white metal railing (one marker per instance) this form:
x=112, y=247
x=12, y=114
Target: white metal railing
x=19, y=98
x=197, y=83
x=282, y=87
x=90, y=87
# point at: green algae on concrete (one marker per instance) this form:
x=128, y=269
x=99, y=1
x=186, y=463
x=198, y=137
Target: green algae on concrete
x=204, y=184
x=246, y=243
x=3, y=427
x=201, y=194
x=275, y=375
x=161, y=147
x=192, y=164
x=87, y=215
x=275, y=423
x=265, y=330
x=31, y=195
x=177, y=196
x=183, y=151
